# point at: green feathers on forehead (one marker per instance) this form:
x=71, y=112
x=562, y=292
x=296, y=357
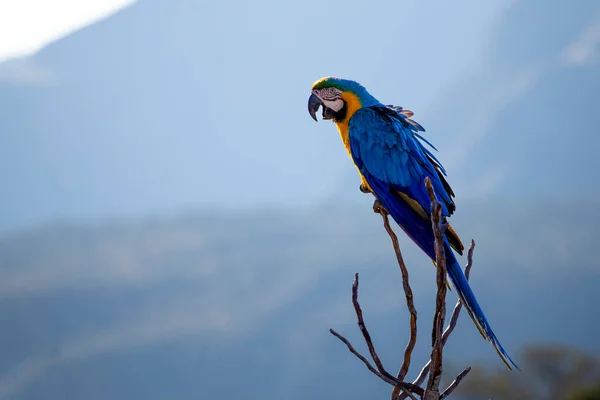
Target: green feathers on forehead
x=346, y=85
x=338, y=83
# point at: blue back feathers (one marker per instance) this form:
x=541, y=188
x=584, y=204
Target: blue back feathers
x=386, y=144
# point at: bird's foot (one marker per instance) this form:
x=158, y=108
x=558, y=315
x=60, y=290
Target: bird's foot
x=363, y=188
x=378, y=208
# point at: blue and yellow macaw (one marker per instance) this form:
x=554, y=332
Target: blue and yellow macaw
x=387, y=149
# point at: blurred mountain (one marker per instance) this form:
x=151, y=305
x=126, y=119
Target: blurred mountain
x=200, y=305
x=523, y=121
x=149, y=110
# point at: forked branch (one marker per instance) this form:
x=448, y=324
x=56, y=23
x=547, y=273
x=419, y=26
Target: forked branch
x=433, y=368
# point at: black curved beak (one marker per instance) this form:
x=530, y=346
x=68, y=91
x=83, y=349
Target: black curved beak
x=313, y=106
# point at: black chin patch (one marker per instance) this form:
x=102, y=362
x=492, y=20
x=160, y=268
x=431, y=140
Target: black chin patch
x=328, y=113
x=338, y=116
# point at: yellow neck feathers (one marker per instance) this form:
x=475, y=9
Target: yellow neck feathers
x=353, y=104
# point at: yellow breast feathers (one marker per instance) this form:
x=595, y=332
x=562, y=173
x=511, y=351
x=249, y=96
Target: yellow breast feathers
x=353, y=104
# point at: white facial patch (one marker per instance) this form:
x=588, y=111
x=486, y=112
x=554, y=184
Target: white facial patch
x=335, y=105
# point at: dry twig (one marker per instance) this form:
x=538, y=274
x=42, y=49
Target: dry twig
x=383, y=377
x=439, y=227
x=433, y=368
x=407, y=387
x=409, y=298
x=455, y=383
x=451, y=325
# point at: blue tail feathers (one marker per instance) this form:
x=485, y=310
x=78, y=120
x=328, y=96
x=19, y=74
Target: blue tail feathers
x=421, y=233
x=467, y=298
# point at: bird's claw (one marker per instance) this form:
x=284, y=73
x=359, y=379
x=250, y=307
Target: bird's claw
x=378, y=208
x=363, y=188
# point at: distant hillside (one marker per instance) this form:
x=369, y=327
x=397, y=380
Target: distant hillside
x=524, y=121
x=182, y=307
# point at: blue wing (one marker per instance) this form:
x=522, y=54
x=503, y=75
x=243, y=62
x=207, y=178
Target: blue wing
x=386, y=145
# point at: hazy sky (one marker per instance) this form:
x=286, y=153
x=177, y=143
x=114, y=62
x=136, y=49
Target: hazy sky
x=432, y=44
x=27, y=25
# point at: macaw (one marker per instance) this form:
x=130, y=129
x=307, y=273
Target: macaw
x=393, y=161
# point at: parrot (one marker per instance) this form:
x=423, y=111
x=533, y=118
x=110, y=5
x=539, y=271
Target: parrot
x=393, y=160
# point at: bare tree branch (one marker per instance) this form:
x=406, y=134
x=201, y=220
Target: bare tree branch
x=439, y=337
x=458, y=306
x=455, y=383
x=363, y=328
x=433, y=385
x=362, y=358
x=381, y=372
x=409, y=298
x=453, y=320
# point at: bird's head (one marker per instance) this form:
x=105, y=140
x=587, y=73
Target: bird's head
x=340, y=98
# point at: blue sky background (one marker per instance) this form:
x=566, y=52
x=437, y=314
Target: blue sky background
x=176, y=105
